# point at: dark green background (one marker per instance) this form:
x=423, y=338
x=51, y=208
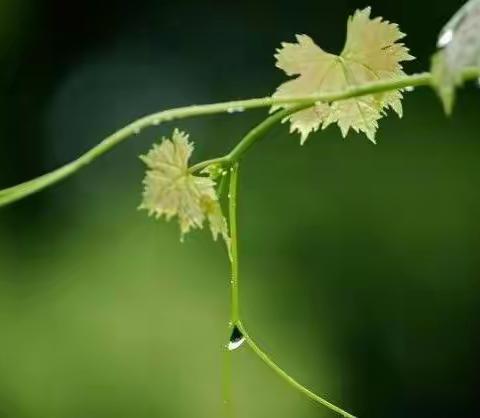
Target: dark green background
x=359, y=263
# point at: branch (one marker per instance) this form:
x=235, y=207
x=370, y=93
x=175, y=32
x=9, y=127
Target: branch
x=23, y=190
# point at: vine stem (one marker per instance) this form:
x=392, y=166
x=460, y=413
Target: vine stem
x=235, y=320
x=227, y=382
x=285, y=376
x=232, y=217
x=25, y=189
x=248, y=140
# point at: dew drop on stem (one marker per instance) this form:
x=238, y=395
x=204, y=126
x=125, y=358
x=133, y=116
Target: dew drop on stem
x=237, y=109
x=236, y=339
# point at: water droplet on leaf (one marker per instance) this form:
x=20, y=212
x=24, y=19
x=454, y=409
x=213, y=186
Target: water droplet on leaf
x=445, y=38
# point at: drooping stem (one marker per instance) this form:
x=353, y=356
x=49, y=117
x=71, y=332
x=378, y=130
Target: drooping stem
x=23, y=190
x=227, y=377
x=235, y=320
x=232, y=216
x=285, y=376
x=227, y=382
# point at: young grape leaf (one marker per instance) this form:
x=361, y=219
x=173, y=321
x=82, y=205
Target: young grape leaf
x=171, y=190
x=459, y=44
x=372, y=52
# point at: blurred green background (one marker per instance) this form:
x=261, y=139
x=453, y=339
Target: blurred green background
x=359, y=263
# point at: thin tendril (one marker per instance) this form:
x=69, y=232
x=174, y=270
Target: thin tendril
x=232, y=215
x=285, y=376
x=235, y=305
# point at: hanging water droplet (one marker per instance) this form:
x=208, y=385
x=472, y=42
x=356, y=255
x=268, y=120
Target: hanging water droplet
x=136, y=131
x=156, y=122
x=445, y=38
x=236, y=339
x=409, y=88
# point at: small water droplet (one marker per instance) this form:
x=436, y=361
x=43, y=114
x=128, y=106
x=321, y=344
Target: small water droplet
x=445, y=38
x=409, y=88
x=156, y=122
x=136, y=131
x=236, y=339
x=229, y=196
x=236, y=109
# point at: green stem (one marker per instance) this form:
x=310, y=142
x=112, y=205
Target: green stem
x=227, y=381
x=232, y=216
x=248, y=140
x=260, y=130
x=285, y=376
x=234, y=303
x=22, y=190
x=235, y=306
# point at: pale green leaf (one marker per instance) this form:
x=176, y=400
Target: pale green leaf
x=171, y=190
x=372, y=52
